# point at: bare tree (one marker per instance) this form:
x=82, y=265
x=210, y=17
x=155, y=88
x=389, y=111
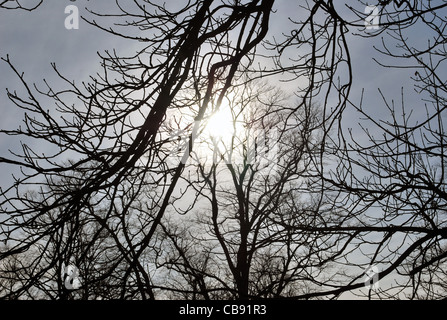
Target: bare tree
x=390, y=181
x=104, y=134
x=107, y=196
x=244, y=182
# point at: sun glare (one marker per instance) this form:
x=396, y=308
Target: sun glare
x=222, y=134
x=220, y=124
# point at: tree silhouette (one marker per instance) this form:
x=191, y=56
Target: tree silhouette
x=239, y=250
x=145, y=207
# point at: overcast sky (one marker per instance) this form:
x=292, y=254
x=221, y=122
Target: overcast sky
x=35, y=39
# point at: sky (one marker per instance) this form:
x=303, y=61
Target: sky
x=34, y=40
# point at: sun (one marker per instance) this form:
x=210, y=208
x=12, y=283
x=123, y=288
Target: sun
x=222, y=133
x=220, y=124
